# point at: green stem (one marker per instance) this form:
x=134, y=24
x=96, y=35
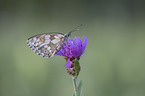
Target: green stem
x=75, y=86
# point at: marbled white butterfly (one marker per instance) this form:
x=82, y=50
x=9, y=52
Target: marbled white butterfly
x=47, y=44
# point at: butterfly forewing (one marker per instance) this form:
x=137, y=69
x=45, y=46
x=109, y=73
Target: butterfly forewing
x=46, y=44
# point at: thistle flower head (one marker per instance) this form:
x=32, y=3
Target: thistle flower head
x=73, y=49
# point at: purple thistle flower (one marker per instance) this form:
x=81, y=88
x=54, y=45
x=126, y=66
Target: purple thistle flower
x=72, y=49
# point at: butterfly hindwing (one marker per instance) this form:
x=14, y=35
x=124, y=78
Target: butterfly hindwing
x=46, y=44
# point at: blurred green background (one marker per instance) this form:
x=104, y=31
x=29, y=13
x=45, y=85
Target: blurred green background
x=114, y=61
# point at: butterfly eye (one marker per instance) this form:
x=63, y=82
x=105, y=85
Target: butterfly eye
x=66, y=37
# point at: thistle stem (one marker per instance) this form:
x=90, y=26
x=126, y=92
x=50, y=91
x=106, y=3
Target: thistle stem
x=75, y=86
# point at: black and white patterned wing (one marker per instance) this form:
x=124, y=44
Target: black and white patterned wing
x=46, y=44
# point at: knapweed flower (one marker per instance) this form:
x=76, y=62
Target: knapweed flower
x=72, y=50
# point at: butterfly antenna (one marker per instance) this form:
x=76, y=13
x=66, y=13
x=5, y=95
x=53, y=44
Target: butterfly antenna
x=76, y=28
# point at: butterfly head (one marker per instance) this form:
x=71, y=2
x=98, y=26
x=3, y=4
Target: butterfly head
x=67, y=36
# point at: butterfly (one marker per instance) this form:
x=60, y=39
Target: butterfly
x=48, y=44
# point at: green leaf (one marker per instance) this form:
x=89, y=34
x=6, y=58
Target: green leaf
x=79, y=88
x=77, y=67
x=74, y=94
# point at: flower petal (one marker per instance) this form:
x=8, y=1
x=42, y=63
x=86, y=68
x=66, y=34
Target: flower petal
x=73, y=47
x=68, y=64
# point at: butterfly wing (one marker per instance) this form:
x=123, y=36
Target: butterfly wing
x=46, y=44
